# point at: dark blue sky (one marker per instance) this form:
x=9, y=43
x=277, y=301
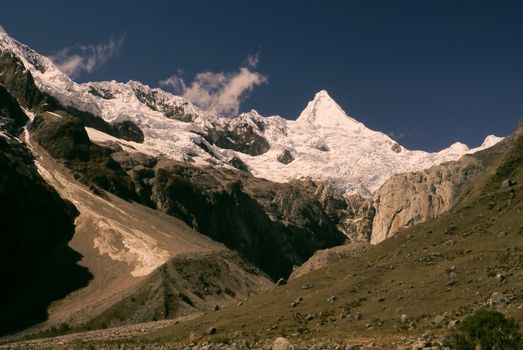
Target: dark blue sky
x=433, y=72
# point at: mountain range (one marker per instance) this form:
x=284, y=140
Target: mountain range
x=144, y=207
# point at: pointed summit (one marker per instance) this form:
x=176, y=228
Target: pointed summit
x=324, y=111
x=490, y=141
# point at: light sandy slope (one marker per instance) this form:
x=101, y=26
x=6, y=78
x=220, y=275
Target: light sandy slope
x=120, y=243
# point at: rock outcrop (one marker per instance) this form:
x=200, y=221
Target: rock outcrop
x=243, y=134
x=275, y=226
x=19, y=82
x=408, y=199
x=12, y=118
x=324, y=257
x=285, y=157
x=64, y=138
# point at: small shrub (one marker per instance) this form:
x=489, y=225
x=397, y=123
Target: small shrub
x=485, y=330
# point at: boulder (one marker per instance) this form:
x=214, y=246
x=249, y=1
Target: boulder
x=497, y=298
x=282, y=343
x=285, y=157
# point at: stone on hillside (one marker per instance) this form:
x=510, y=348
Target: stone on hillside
x=282, y=343
x=353, y=347
x=211, y=331
x=507, y=183
x=238, y=164
x=453, y=323
x=331, y=300
x=419, y=344
x=404, y=319
x=396, y=148
x=497, y=298
x=438, y=319
x=306, y=286
x=285, y=157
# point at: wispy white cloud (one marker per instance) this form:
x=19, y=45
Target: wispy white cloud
x=79, y=59
x=220, y=93
x=397, y=135
x=252, y=60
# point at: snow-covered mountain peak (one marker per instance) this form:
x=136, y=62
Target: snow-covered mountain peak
x=324, y=143
x=323, y=111
x=458, y=147
x=490, y=140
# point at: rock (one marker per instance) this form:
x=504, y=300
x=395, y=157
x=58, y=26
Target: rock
x=507, y=183
x=20, y=84
x=285, y=157
x=242, y=134
x=357, y=316
x=439, y=319
x=499, y=278
x=12, y=117
x=65, y=139
x=306, y=286
x=395, y=148
x=211, y=331
x=289, y=222
x=497, y=298
x=404, y=319
x=453, y=323
x=281, y=281
x=419, y=344
x=325, y=257
x=282, y=343
x=331, y=300
x=129, y=131
x=353, y=346
x=408, y=199
x=309, y=317
x=216, y=307
x=238, y=164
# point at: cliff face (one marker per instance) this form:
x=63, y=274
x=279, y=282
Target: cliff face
x=36, y=226
x=410, y=198
x=274, y=225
